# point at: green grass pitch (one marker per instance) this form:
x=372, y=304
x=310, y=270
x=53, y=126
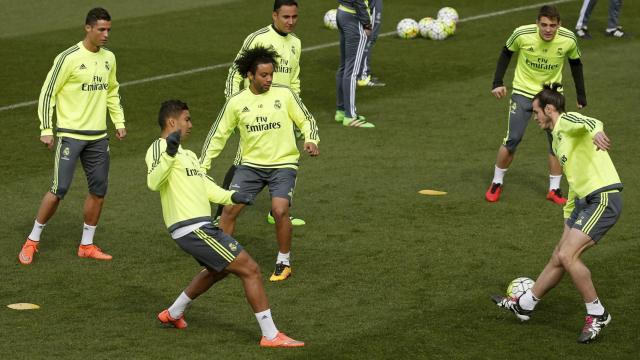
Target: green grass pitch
x=380, y=272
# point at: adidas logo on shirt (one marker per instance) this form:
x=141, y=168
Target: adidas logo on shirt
x=83, y=67
x=246, y=109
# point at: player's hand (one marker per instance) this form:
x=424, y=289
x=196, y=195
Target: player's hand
x=173, y=141
x=367, y=32
x=121, y=133
x=48, y=141
x=242, y=198
x=499, y=92
x=311, y=149
x=601, y=141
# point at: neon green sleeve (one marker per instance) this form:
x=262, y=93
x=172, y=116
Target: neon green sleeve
x=215, y=193
x=158, y=165
x=573, y=124
x=113, y=99
x=303, y=118
x=56, y=78
x=220, y=131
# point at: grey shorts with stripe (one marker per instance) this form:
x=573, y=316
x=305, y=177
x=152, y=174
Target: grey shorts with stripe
x=596, y=214
x=520, y=111
x=94, y=155
x=211, y=247
x=281, y=182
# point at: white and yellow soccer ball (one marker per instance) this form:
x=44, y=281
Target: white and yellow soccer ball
x=423, y=25
x=330, y=21
x=407, y=29
x=519, y=286
x=437, y=31
x=448, y=13
x=449, y=25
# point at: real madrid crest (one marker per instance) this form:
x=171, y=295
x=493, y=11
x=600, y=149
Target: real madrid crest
x=106, y=65
x=277, y=104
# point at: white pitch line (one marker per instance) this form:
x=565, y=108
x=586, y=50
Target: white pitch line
x=310, y=48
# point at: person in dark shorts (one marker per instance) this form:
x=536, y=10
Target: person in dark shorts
x=185, y=194
x=594, y=206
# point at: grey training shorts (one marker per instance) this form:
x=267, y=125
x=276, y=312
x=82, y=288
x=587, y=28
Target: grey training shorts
x=211, y=247
x=596, y=214
x=281, y=182
x=94, y=155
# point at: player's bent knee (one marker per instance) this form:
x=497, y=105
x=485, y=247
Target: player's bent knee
x=280, y=211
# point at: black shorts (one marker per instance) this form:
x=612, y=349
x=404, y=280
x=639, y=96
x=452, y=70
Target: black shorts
x=211, y=247
x=596, y=214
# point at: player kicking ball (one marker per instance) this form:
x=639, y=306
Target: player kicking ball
x=594, y=206
x=185, y=193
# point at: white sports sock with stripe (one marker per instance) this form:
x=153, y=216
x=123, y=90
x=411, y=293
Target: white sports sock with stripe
x=267, y=325
x=87, y=234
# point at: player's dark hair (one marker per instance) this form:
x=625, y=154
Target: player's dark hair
x=96, y=14
x=250, y=59
x=550, y=94
x=169, y=109
x=549, y=11
x=280, y=3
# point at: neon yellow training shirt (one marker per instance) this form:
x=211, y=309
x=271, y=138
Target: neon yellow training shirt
x=185, y=192
x=81, y=85
x=265, y=123
x=588, y=170
x=539, y=61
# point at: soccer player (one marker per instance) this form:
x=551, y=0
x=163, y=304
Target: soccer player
x=594, y=206
x=613, y=29
x=354, y=24
x=365, y=77
x=264, y=114
x=542, y=48
x=280, y=36
x=185, y=193
x=81, y=86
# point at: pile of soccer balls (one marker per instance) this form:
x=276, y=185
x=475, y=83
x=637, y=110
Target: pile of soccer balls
x=435, y=29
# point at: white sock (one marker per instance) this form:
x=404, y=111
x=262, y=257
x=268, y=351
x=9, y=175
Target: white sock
x=178, y=307
x=283, y=258
x=528, y=301
x=36, y=231
x=595, y=308
x=267, y=326
x=87, y=234
x=554, y=181
x=498, y=175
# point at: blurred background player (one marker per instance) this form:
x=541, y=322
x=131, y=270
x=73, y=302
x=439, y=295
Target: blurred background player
x=280, y=36
x=542, y=48
x=354, y=24
x=81, y=86
x=365, y=76
x=593, y=208
x=185, y=193
x=613, y=29
x=264, y=114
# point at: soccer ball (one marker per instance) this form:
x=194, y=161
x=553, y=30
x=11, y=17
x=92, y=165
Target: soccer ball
x=448, y=13
x=449, y=25
x=519, y=286
x=407, y=29
x=423, y=25
x=437, y=31
x=330, y=21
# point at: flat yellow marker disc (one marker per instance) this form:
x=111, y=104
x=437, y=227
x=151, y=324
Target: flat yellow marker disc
x=432, y=192
x=23, y=306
